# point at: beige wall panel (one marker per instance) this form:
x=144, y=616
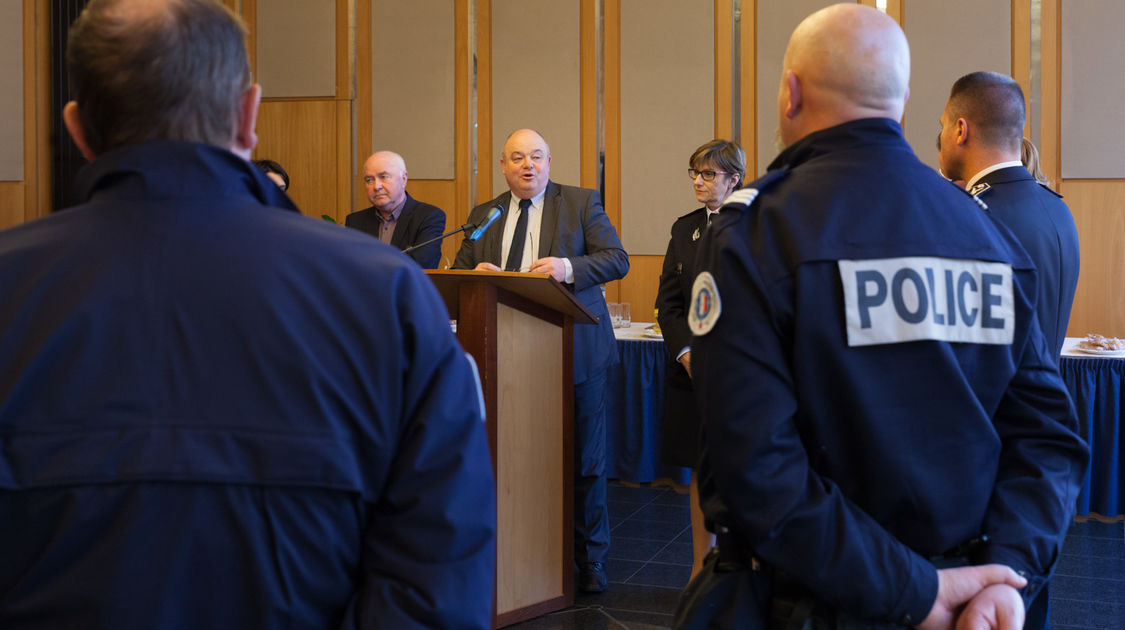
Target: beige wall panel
x=776, y=21
x=11, y=91
x=301, y=136
x=1093, y=89
x=296, y=47
x=667, y=111
x=412, y=84
x=1099, y=214
x=945, y=45
x=536, y=82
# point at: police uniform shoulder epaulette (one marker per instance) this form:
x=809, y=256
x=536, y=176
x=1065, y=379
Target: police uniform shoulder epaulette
x=1050, y=190
x=743, y=197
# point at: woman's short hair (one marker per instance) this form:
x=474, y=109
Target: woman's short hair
x=724, y=155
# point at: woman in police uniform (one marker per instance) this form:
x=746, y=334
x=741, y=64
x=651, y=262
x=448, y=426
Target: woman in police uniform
x=716, y=169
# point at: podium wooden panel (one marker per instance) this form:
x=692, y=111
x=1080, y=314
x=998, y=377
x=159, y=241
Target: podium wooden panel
x=519, y=328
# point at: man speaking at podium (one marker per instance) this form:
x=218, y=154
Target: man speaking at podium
x=562, y=231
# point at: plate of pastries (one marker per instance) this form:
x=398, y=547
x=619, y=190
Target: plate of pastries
x=1101, y=346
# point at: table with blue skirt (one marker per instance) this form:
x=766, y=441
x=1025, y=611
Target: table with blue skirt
x=1096, y=384
x=635, y=409
x=635, y=402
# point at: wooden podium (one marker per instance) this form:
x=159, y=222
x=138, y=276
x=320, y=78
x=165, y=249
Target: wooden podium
x=519, y=327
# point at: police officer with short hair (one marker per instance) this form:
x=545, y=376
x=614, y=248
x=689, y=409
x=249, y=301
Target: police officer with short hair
x=880, y=405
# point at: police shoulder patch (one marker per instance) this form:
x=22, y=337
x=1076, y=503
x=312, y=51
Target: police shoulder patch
x=705, y=304
x=896, y=300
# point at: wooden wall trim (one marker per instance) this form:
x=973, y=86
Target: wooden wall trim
x=588, y=103
x=1050, y=100
x=748, y=86
x=724, y=68
x=611, y=25
x=895, y=9
x=485, y=157
x=1021, y=55
x=345, y=158
x=463, y=121
x=249, y=12
x=36, y=109
x=364, y=108
x=345, y=50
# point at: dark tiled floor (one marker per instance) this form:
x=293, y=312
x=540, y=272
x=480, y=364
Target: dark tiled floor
x=650, y=560
x=1088, y=590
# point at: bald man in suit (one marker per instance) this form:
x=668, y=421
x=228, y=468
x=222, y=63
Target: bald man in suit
x=563, y=231
x=395, y=217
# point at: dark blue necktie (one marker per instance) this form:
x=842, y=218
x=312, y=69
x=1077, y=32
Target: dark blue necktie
x=515, y=252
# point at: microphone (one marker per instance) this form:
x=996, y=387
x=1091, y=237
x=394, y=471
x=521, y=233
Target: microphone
x=493, y=214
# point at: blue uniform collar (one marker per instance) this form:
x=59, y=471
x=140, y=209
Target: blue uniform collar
x=849, y=135
x=167, y=169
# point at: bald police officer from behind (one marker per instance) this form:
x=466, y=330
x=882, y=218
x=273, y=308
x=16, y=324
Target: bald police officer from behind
x=878, y=397
x=200, y=427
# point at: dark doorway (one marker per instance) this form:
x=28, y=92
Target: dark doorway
x=65, y=158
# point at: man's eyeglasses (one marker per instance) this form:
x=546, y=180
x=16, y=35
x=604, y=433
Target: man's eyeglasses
x=706, y=175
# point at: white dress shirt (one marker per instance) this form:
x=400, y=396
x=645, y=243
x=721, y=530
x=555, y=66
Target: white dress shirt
x=534, y=229
x=985, y=171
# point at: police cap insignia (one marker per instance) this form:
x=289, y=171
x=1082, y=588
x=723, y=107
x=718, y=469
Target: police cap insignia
x=705, y=305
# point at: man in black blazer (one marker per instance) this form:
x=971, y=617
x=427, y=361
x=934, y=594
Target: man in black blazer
x=563, y=231
x=980, y=141
x=395, y=217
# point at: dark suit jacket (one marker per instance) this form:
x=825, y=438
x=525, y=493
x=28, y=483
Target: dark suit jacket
x=680, y=444
x=418, y=222
x=1043, y=224
x=574, y=226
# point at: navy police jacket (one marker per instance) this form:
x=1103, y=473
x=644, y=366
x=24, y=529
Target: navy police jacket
x=1043, y=224
x=875, y=387
x=215, y=413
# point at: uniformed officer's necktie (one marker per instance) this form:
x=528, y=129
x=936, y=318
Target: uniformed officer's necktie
x=515, y=252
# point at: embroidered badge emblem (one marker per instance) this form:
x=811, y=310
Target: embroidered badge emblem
x=705, y=304
x=695, y=235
